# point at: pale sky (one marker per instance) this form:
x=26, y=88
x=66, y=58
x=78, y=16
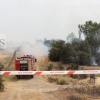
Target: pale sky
x=23, y=20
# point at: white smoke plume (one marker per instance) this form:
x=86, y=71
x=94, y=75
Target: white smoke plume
x=36, y=49
x=93, y=61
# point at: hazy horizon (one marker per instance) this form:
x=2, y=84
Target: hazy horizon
x=27, y=20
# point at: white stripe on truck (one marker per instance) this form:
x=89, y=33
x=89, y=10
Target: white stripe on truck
x=23, y=61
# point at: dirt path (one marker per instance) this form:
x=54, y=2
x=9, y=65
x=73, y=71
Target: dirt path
x=28, y=89
x=97, y=80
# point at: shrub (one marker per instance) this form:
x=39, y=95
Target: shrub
x=73, y=67
x=62, y=82
x=1, y=83
x=1, y=66
x=83, y=76
x=74, y=76
x=79, y=76
x=51, y=79
x=49, y=67
x=56, y=50
x=92, y=91
x=84, y=58
x=1, y=79
x=60, y=66
x=74, y=97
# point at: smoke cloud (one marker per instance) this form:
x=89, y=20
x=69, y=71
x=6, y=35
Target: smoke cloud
x=36, y=49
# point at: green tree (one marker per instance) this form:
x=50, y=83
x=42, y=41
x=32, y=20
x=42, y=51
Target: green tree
x=54, y=54
x=84, y=58
x=56, y=51
x=61, y=51
x=70, y=52
x=82, y=48
x=71, y=37
x=91, y=31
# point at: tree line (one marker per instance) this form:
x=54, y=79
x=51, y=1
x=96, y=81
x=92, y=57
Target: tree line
x=77, y=50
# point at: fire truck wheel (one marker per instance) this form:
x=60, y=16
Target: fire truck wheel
x=18, y=76
x=32, y=76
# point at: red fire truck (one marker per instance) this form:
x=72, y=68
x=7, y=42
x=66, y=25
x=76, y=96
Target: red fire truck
x=25, y=63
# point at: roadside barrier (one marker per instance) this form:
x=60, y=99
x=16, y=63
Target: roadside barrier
x=49, y=72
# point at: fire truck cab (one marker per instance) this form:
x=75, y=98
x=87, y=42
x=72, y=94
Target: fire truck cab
x=25, y=63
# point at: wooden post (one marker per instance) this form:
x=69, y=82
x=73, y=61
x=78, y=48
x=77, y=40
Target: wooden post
x=94, y=79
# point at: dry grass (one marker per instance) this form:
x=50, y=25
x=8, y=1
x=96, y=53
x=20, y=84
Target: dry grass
x=78, y=93
x=5, y=60
x=2, y=56
x=42, y=63
x=61, y=79
x=75, y=97
x=90, y=67
x=57, y=80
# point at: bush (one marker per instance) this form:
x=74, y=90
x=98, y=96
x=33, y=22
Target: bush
x=74, y=76
x=57, y=81
x=59, y=66
x=83, y=76
x=1, y=79
x=55, y=52
x=80, y=76
x=74, y=97
x=92, y=91
x=49, y=67
x=84, y=58
x=1, y=83
x=62, y=82
x=51, y=80
x=1, y=67
x=73, y=67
